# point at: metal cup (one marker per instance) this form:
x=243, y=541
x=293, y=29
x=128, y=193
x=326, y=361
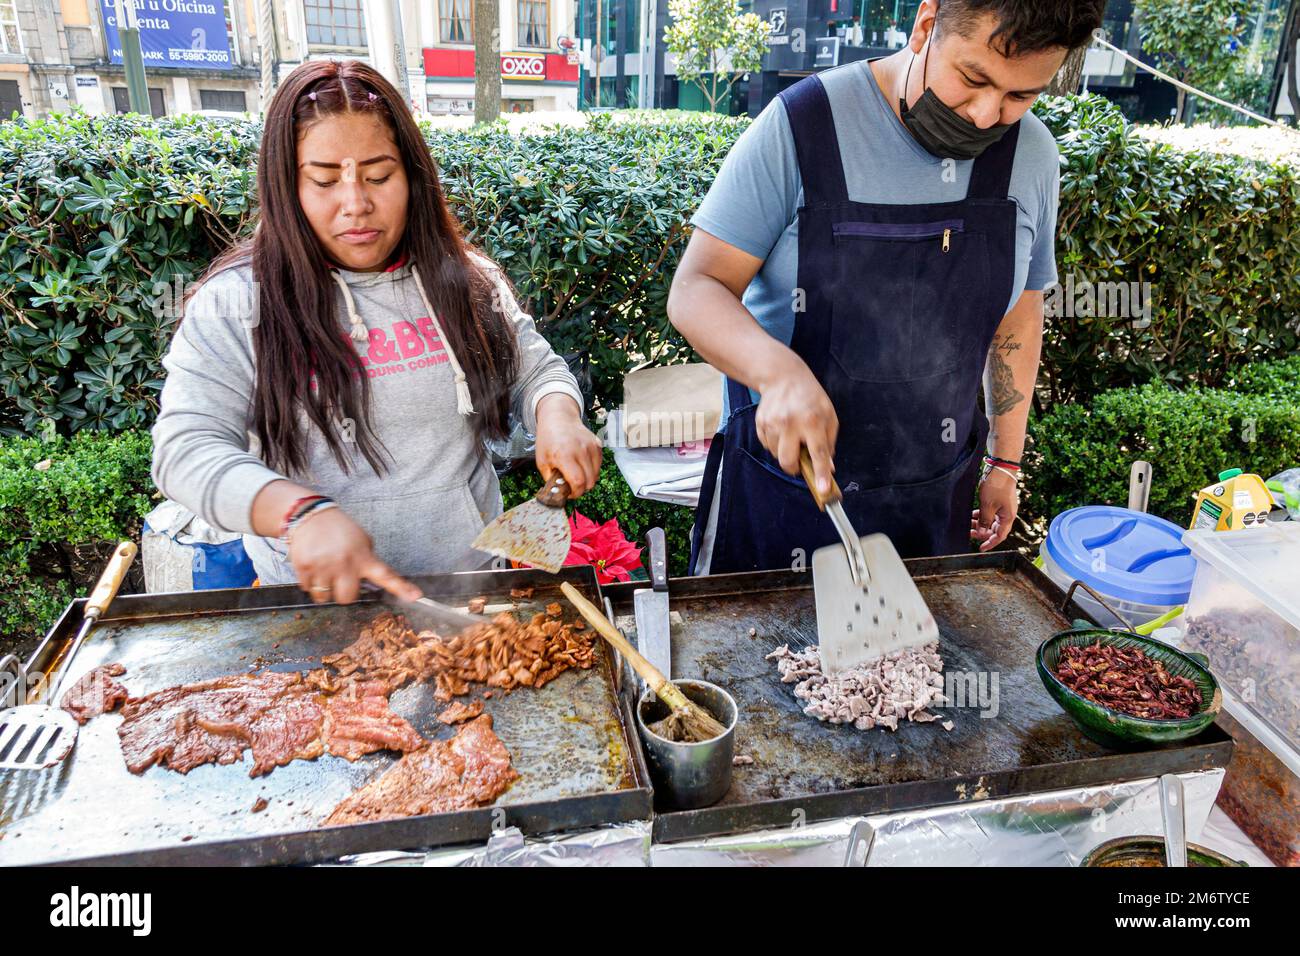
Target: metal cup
x=689, y=776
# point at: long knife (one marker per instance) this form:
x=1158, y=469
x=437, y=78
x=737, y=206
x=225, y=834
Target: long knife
x=650, y=605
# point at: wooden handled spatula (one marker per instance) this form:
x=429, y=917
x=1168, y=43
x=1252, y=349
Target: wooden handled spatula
x=536, y=532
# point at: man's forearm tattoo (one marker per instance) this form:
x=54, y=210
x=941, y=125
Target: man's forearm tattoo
x=1002, y=377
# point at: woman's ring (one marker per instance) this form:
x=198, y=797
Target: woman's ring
x=323, y=588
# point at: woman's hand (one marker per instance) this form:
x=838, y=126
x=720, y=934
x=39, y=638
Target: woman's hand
x=991, y=522
x=332, y=555
x=566, y=445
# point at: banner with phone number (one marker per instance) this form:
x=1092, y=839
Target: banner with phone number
x=175, y=33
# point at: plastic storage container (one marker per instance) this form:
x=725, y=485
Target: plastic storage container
x=1244, y=615
x=1135, y=560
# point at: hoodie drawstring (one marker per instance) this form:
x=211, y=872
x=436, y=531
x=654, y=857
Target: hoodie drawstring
x=359, y=333
x=464, y=404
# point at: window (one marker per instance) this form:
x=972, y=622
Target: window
x=11, y=99
x=122, y=100
x=10, y=41
x=534, y=23
x=228, y=101
x=334, y=22
x=456, y=21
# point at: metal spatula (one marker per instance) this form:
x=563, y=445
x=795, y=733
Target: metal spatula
x=535, y=533
x=36, y=736
x=867, y=603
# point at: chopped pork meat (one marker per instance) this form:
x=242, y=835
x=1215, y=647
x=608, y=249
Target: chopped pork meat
x=878, y=693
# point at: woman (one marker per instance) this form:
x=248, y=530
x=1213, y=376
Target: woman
x=333, y=379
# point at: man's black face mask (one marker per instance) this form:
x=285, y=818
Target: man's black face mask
x=939, y=128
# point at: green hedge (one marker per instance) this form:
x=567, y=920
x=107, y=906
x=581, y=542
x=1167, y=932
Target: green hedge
x=102, y=213
x=63, y=505
x=1081, y=453
x=1218, y=238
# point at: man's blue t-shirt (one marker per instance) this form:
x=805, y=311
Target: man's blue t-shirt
x=754, y=201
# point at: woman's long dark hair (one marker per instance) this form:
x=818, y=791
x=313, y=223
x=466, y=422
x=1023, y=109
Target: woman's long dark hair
x=298, y=339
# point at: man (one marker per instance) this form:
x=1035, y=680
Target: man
x=875, y=245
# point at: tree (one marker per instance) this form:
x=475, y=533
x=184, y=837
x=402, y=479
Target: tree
x=1067, y=77
x=487, y=62
x=715, y=44
x=1195, y=41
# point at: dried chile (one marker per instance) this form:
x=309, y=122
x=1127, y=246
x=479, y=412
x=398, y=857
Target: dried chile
x=1127, y=680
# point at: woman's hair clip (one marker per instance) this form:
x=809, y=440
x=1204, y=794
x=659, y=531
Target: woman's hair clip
x=372, y=96
x=312, y=96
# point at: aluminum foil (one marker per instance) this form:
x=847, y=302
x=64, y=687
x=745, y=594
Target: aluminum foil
x=1057, y=828
x=625, y=844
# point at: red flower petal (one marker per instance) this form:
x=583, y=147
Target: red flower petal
x=582, y=527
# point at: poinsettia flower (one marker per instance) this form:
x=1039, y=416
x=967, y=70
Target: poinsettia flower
x=603, y=547
x=581, y=526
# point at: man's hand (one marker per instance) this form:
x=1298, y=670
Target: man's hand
x=991, y=522
x=795, y=412
x=566, y=445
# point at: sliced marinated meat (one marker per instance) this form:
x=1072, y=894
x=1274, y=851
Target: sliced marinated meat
x=459, y=712
x=472, y=770
x=279, y=717
x=357, y=725
x=95, y=693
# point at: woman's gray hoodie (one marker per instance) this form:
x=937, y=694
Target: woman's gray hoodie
x=439, y=488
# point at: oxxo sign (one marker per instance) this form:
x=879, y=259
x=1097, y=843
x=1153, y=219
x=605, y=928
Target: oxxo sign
x=523, y=66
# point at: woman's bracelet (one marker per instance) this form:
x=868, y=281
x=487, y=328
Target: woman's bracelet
x=301, y=508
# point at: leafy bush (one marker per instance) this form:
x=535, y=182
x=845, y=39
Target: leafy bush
x=612, y=498
x=1279, y=379
x=1218, y=238
x=1081, y=453
x=63, y=505
x=102, y=214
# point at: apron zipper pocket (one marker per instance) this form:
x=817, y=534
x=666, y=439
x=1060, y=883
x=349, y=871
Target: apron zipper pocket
x=901, y=231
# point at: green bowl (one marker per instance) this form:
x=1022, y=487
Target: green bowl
x=1116, y=730
x=1150, y=851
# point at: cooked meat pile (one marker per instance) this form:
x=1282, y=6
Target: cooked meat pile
x=502, y=653
x=879, y=693
x=458, y=712
x=471, y=770
x=1127, y=680
x=96, y=693
x=279, y=716
x=342, y=708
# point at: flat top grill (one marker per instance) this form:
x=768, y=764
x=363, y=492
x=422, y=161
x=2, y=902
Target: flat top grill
x=567, y=740
x=993, y=611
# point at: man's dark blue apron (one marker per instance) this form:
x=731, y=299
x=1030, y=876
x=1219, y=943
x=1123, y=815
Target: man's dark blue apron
x=900, y=305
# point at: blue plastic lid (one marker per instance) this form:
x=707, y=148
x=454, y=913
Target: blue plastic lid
x=1129, y=555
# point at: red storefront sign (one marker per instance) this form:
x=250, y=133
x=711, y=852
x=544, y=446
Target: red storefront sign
x=456, y=62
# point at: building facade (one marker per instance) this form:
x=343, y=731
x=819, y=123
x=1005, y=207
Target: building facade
x=219, y=55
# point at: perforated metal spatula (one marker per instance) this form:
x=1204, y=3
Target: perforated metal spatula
x=867, y=603
x=36, y=736
x=536, y=532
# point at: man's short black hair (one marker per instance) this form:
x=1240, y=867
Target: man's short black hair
x=1026, y=26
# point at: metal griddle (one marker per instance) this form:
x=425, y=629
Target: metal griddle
x=993, y=610
x=578, y=765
